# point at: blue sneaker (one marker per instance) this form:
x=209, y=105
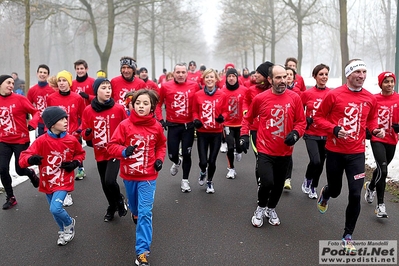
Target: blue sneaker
x=348, y=245
x=322, y=204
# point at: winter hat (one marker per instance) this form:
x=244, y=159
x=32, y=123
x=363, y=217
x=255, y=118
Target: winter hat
x=101, y=74
x=97, y=84
x=202, y=68
x=66, y=75
x=129, y=62
x=3, y=78
x=384, y=75
x=52, y=115
x=263, y=68
x=232, y=71
x=229, y=65
x=192, y=63
x=143, y=69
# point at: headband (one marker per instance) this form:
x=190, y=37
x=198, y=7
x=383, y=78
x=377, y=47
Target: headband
x=354, y=66
x=130, y=62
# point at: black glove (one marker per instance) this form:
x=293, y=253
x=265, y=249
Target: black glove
x=368, y=134
x=197, y=123
x=69, y=166
x=88, y=131
x=336, y=130
x=395, y=128
x=130, y=150
x=35, y=160
x=309, y=121
x=84, y=95
x=79, y=131
x=30, y=128
x=163, y=123
x=219, y=119
x=244, y=143
x=158, y=165
x=291, y=138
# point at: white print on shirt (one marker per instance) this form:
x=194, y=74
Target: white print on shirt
x=80, y=89
x=180, y=103
x=54, y=160
x=101, y=131
x=7, y=120
x=385, y=114
x=277, y=122
x=140, y=154
x=316, y=105
x=233, y=103
x=41, y=103
x=208, y=113
x=122, y=95
x=351, y=123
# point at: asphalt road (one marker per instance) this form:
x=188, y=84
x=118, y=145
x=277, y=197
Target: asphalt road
x=189, y=228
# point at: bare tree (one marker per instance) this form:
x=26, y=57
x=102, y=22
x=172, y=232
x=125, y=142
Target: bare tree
x=343, y=37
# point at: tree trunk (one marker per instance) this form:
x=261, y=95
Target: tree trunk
x=136, y=30
x=26, y=46
x=152, y=36
x=343, y=14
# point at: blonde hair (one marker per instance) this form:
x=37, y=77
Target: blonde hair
x=208, y=71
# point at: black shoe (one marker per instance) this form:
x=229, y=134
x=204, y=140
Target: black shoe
x=109, y=216
x=122, y=207
x=10, y=202
x=34, y=179
x=134, y=218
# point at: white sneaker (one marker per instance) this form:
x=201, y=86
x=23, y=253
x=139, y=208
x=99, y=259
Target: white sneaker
x=257, y=219
x=369, y=195
x=185, y=187
x=175, y=168
x=231, y=174
x=287, y=184
x=69, y=231
x=68, y=200
x=238, y=156
x=272, y=215
x=312, y=193
x=223, y=147
x=209, y=187
x=381, y=211
x=61, y=241
x=201, y=178
x=306, y=186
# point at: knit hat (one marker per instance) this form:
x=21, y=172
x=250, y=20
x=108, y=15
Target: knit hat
x=143, y=69
x=192, y=63
x=66, y=75
x=202, y=68
x=3, y=78
x=97, y=84
x=52, y=115
x=263, y=68
x=231, y=65
x=384, y=75
x=129, y=62
x=231, y=71
x=101, y=74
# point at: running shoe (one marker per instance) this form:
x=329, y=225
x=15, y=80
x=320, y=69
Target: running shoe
x=272, y=215
x=201, y=178
x=175, y=168
x=109, y=215
x=10, y=202
x=69, y=231
x=380, y=211
x=238, y=156
x=68, y=200
x=231, y=174
x=185, y=187
x=34, y=179
x=287, y=184
x=369, y=195
x=209, y=187
x=223, y=147
x=322, y=204
x=348, y=245
x=122, y=206
x=312, y=193
x=306, y=185
x=61, y=241
x=257, y=219
x=142, y=260
x=81, y=174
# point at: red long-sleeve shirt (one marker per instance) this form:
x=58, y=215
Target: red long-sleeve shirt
x=278, y=114
x=351, y=110
x=120, y=87
x=54, y=151
x=38, y=97
x=236, y=105
x=85, y=86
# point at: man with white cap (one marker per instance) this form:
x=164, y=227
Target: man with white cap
x=345, y=113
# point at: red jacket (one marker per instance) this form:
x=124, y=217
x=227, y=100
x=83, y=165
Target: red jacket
x=73, y=104
x=196, y=76
x=178, y=100
x=300, y=83
x=388, y=114
x=120, y=87
x=145, y=132
x=351, y=110
x=207, y=108
x=151, y=85
x=236, y=105
x=13, y=125
x=38, y=97
x=251, y=93
x=103, y=125
x=54, y=151
x=278, y=116
x=85, y=86
x=311, y=100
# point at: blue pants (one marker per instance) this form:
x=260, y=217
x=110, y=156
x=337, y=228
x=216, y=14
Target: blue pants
x=56, y=200
x=140, y=196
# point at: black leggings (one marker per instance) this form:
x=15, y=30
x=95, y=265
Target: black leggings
x=272, y=171
x=353, y=165
x=184, y=134
x=6, y=152
x=383, y=154
x=232, y=136
x=254, y=134
x=317, y=156
x=108, y=171
x=211, y=141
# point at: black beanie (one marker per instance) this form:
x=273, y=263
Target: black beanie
x=143, y=69
x=263, y=68
x=3, y=78
x=235, y=73
x=52, y=115
x=97, y=84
